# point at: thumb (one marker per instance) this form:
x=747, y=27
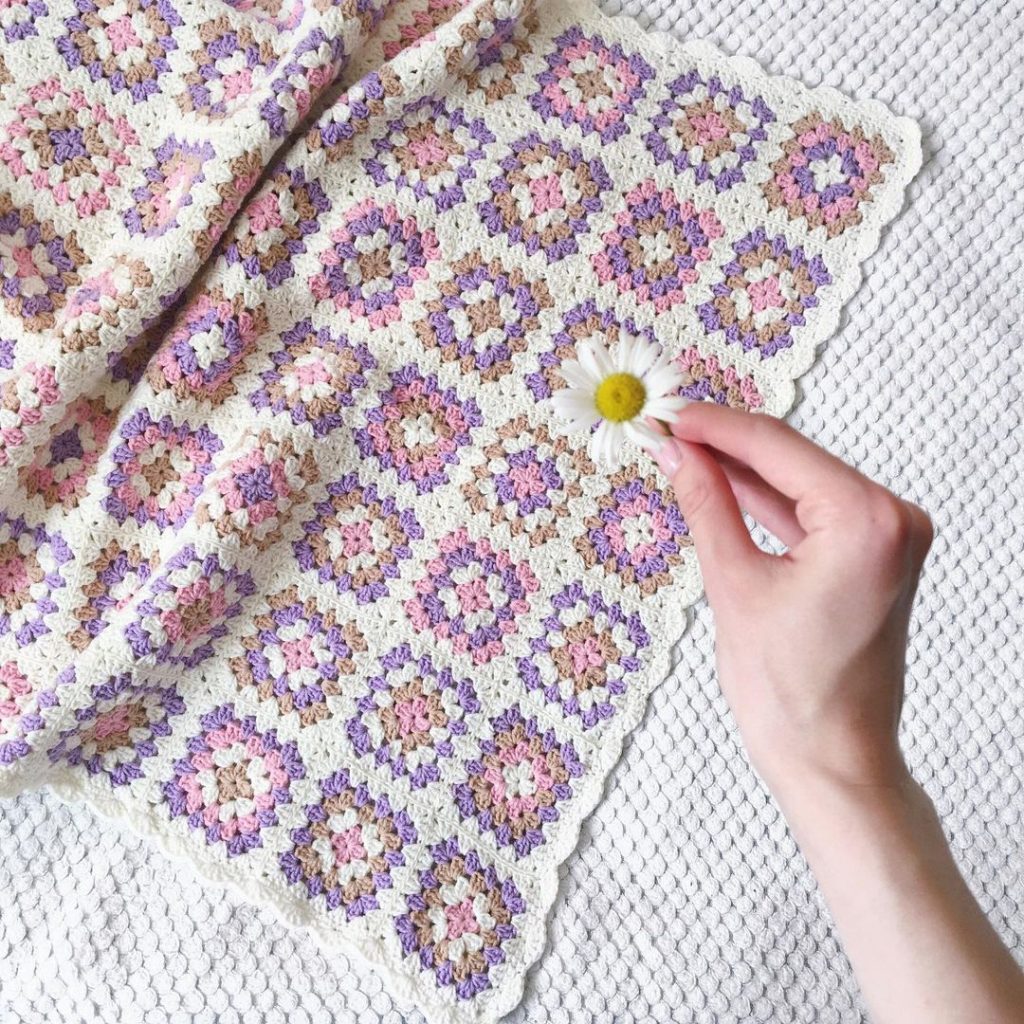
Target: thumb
x=724, y=545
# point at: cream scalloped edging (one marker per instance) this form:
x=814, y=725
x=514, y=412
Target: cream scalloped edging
x=298, y=912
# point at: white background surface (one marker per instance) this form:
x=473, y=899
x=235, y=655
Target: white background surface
x=687, y=900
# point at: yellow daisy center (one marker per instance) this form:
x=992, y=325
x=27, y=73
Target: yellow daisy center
x=620, y=396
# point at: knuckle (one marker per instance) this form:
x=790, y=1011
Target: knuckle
x=923, y=529
x=847, y=506
x=693, y=497
x=891, y=522
x=923, y=525
x=765, y=426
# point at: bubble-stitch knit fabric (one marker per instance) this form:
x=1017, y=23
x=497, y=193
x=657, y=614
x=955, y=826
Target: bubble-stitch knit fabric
x=299, y=576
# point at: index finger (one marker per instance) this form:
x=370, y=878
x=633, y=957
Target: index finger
x=780, y=455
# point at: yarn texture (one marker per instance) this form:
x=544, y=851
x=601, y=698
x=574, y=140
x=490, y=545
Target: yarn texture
x=299, y=575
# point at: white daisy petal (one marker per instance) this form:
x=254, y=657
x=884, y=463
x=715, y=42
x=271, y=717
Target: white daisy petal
x=571, y=394
x=576, y=376
x=665, y=360
x=661, y=357
x=644, y=359
x=607, y=366
x=575, y=405
x=643, y=435
x=596, y=350
x=597, y=441
x=616, y=440
x=663, y=381
x=665, y=407
x=562, y=401
x=588, y=362
x=578, y=426
x=606, y=443
x=624, y=353
x=578, y=398
x=632, y=432
x=665, y=368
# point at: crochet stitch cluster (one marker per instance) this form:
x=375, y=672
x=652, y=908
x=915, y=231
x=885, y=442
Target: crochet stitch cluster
x=297, y=572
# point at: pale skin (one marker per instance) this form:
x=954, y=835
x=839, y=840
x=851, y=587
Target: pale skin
x=810, y=649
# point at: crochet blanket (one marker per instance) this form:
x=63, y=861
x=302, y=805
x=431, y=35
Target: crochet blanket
x=298, y=574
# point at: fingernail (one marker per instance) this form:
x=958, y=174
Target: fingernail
x=669, y=457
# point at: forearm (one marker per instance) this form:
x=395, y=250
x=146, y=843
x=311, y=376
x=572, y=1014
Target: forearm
x=811, y=648
x=921, y=948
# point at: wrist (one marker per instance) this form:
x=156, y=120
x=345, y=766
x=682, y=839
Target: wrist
x=821, y=763
x=821, y=806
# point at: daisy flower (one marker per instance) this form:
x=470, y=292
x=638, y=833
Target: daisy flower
x=617, y=392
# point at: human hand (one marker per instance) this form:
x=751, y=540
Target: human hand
x=810, y=644
x=810, y=648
